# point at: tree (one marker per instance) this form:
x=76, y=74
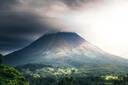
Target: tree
x=67, y=81
x=10, y=76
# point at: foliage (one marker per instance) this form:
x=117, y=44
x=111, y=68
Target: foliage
x=67, y=81
x=10, y=76
x=72, y=76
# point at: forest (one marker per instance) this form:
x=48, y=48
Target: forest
x=38, y=74
x=47, y=75
x=10, y=76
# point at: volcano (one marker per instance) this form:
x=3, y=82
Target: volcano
x=62, y=49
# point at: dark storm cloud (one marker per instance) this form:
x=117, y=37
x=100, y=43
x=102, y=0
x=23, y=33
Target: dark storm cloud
x=46, y=3
x=6, y=4
x=76, y=3
x=18, y=29
x=20, y=24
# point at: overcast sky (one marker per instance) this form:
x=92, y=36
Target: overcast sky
x=23, y=21
x=99, y=21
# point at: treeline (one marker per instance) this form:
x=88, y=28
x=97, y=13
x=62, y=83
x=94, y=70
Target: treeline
x=48, y=75
x=71, y=80
x=11, y=76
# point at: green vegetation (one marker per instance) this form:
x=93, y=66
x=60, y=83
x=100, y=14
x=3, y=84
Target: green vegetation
x=48, y=75
x=38, y=74
x=10, y=76
x=72, y=76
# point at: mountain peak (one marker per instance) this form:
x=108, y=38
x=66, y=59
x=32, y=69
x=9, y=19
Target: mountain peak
x=63, y=33
x=61, y=38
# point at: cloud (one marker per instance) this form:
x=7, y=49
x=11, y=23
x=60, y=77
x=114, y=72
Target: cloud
x=23, y=21
x=19, y=29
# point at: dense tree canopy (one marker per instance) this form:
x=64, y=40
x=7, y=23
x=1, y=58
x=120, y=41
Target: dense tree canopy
x=10, y=76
